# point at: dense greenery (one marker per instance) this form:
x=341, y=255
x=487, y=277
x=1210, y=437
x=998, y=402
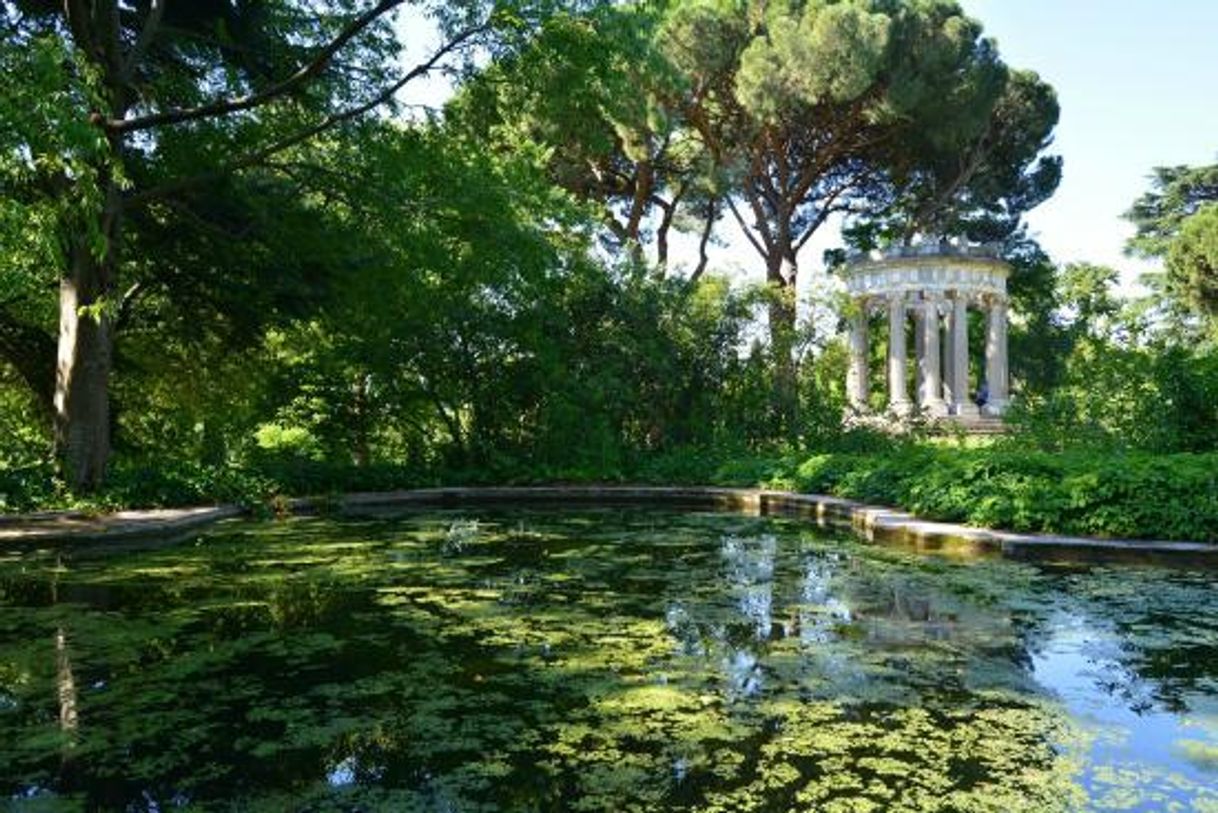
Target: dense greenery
x=1177, y=220
x=230, y=268
x=1100, y=492
x=1075, y=492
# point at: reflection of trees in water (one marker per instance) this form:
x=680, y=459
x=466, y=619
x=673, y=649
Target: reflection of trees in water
x=1167, y=631
x=851, y=665
x=452, y=675
x=749, y=563
x=791, y=616
x=730, y=624
x=140, y=671
x=1115, y=649
x=1146, y=637
x=65, y=685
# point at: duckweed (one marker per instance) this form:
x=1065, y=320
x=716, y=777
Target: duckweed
x=611, y=660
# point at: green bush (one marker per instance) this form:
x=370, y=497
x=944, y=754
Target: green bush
x=1082, y=491
x=1126, y=494
x=28, y=488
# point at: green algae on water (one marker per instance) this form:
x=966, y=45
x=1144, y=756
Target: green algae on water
x=597, y=661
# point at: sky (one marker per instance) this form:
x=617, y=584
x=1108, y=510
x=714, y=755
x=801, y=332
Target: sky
x=1137, y=81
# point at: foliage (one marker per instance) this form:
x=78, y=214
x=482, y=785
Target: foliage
x=127, y=124
x=1131, y=494
x=484, y=329
x=40, y=138
x=976, y=183
x=815, y=108
x=397, y=303
x=1176, y=194
x=1159, y=400
x=1116, y=379
x=1176, y=221
x=595, y=93
x=1037, y=344
x=1192, y=261
x=1099, y=491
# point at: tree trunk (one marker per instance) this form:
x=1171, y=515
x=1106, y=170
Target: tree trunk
x=781, y=274
x=361, y=451
x=86, y=347
x=708, y=226
x=662, y=230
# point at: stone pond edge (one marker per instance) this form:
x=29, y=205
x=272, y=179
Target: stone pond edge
x=874, y=523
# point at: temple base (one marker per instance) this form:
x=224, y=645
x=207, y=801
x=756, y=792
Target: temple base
x=936, y=408
x=901, y=408
x=995, y=408
x=966, y=409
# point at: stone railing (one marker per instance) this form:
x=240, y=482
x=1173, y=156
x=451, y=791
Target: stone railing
x=928, y=249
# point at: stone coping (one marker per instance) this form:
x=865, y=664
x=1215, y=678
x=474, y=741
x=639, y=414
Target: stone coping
x=77, y=526
x=874, y=523
x=929, y=248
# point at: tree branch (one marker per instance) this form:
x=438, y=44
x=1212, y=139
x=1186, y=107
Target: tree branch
x=227, y=106
x=77, y=14
x=113, y=40
x=745, y=228
x=259, y=156
x=127, y=303
x=707, y=227
x=644, y=180
x=767, y=237
x=156, y=9
x=968, y=168
x=828, y=208
x=669, y=208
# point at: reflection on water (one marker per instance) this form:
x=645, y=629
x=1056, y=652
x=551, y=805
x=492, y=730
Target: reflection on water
x=1140, y=747
x=598, y=660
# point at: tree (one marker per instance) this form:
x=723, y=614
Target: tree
x=1162, y=217
x=1192, y=260
x=103, y=94
x=1039, y=343
x=1085, y=290
x=976, y=184
x=489, y=329
x=1176, y=194
x=597, y=92
x=825, y=108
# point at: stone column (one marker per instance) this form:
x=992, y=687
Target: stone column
x=962, y=396
x=996, y=358
x=856, y=377
x=930, y=397
x=949, y=353
x=898, y=395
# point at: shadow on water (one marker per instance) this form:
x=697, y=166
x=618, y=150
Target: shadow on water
x=598, y=660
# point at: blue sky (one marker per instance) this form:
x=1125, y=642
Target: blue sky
x=1138, y=86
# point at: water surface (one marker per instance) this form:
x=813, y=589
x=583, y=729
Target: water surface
x=595, y=660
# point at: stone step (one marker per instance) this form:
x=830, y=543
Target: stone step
x=984, y=425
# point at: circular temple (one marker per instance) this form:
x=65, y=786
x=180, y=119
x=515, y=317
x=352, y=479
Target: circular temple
x=938, y=283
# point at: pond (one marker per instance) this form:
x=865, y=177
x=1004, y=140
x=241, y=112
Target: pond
x=597, y=660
